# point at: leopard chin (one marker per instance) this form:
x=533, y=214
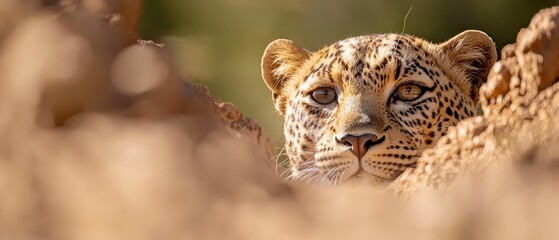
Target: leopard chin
x=363, y=177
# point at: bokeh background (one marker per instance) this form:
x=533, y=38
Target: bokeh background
x=220, y=42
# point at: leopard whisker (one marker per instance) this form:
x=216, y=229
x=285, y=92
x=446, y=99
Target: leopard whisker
x=287, y=172
x=308, y=173
x=277, y=159
x=329, y=179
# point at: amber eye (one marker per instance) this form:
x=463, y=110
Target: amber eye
x=324, y=95
x=408, y=92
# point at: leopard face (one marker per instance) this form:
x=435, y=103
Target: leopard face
x=365, y=108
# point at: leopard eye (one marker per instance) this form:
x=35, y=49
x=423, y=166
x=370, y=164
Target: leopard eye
x=408, y=92
x=324, y=95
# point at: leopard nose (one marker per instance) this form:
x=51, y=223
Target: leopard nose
x=360, y=144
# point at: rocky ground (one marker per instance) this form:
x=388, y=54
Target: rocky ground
x=102, y=139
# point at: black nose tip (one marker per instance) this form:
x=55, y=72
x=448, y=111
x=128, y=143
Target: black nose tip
x=360, y=144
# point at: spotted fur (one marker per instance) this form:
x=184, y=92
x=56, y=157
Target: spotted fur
x=364, y=72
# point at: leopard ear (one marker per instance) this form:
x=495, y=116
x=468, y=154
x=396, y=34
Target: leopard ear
x=474, y=53
x=282, y=58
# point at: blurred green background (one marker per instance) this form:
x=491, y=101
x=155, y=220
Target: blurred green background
x=220, y=42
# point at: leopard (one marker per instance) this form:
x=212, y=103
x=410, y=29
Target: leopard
x=363, y=109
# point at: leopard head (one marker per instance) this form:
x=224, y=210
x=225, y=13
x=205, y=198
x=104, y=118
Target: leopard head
x=365, y=108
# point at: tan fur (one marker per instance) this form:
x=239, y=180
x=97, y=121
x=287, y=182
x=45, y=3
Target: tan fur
x=365, y=73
